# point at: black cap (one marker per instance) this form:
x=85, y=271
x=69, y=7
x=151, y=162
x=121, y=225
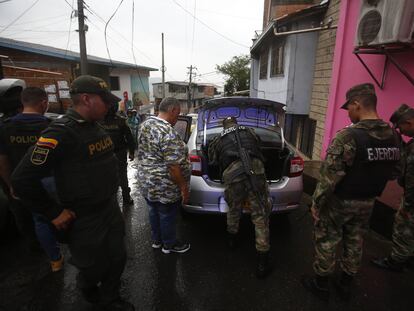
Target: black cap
x=93, y=85
x=357, y=90
x=403, y=113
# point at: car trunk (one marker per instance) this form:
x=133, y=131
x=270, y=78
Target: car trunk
x=265, y=119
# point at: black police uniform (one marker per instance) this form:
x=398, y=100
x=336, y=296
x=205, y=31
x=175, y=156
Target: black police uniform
x=120, y=133
x=17, y=135
x=80, y=153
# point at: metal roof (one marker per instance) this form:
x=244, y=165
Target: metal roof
x=66, y=55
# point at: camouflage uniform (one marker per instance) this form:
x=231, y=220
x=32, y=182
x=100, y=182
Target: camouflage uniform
x=238, y=195
x=342, y=220
x=403, y=230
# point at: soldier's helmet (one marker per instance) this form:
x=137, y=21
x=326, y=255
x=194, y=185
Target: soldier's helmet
x=403, y=113
x=10, y=90
x=229, y=122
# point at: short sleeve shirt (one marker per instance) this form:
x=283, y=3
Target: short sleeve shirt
x=160, y=146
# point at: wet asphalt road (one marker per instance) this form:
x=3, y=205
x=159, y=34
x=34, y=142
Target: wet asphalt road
x=208, y=277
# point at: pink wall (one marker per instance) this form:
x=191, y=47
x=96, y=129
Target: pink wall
x=348, y=71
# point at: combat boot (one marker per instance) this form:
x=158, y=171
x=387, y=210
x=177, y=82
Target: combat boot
x=263, y=268
x=388, y=263
x=232, y=240
x=343, y=286
x=317, y=285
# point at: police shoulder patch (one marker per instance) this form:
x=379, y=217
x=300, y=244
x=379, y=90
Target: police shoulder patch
x=39, y=155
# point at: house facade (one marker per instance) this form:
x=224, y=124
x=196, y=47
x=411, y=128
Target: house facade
x=55, y=69
x=179, y=90
x=283, y=64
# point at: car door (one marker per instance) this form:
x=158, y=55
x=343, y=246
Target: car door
x=183, y=127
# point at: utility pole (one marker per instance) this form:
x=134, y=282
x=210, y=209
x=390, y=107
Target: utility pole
x=82, y=40
x=190, y=86
x=163, y=67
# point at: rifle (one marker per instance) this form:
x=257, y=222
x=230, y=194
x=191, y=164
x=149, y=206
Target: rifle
x=251, y=176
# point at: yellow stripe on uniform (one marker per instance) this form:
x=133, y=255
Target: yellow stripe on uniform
x=47, y=142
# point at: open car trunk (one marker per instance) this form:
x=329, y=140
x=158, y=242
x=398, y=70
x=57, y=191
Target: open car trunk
x=264, y=117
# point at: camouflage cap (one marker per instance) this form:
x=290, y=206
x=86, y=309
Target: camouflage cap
x=93, y=85
x=229, y=121
x=403, y=113
x=357, y=90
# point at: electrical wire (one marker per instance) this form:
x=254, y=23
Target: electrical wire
x=70, y=27
x=132, y=50
x=194, y=23
x=71, y=5
x=106, y=28
x=21, y=15
x=207, y=26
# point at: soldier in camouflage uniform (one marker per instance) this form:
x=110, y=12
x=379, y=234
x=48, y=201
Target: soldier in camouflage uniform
x=223, y=150
x=359, y=162
x=403, y=235
x=164, y=173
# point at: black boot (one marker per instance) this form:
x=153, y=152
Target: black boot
x=343, y=286
x=389, y=264
x=263, y=268
x=317, y=285
x=232, y=240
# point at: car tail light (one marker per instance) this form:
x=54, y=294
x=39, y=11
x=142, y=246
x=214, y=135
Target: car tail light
x=195, y=165
x=296, y=167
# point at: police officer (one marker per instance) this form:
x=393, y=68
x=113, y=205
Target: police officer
x=359, y=162
x=403, y=231
x=17, y=134
x=120, y=133
x=224, y=151
x=80, y=154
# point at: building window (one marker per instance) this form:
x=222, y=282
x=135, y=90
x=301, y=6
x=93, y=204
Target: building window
x=160, y=89
x=300, y=132
x=173, y=88
x=278, y=59
x=264, y=57
x=114, y=81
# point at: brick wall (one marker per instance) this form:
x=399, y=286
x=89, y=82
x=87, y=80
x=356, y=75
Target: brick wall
x=38, y=79
x=322, y=77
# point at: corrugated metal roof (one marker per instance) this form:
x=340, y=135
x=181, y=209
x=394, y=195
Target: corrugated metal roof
x=63, y=54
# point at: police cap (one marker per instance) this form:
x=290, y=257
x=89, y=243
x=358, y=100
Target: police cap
x=403, y=113
x=93, y=85
x=358, y=90
x=229, y=121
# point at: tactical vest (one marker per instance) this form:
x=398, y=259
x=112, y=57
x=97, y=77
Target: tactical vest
x=114, y=127
x=228, y=150
x=372, y=168
x=20, y=136
x=90, y=174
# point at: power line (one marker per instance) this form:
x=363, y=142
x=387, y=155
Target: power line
x=71, y=5
x=194, y=20
x=18, y=17
x=132, y=49
x=106, y=27
x=205, y=25
x=70, y=27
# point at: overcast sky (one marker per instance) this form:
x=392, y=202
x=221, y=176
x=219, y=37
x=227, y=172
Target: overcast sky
x=233, y=23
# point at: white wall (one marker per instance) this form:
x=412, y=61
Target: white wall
x=124, y=82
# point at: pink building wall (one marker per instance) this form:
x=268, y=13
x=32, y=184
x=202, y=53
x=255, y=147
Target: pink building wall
x=348, y=71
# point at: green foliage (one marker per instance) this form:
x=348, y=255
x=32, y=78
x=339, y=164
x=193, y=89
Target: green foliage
x=237, y=72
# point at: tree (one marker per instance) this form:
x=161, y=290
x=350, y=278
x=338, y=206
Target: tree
x=237, y=72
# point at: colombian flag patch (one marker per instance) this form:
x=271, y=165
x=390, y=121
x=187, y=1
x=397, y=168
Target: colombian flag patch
x=47, y=142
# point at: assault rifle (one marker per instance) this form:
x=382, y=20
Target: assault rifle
x=248, y=169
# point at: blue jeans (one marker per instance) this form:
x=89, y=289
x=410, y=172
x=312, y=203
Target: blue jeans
x=163, y=221
x=46, y=236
